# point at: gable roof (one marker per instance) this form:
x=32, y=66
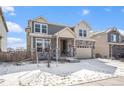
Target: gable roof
x=112, y=29
x=4, y=22
x=68, y=33
x=107, y=31
x=86, y=24
x=40, y=19
x=55, y=27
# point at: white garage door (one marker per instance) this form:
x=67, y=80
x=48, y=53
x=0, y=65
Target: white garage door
x=84, y=52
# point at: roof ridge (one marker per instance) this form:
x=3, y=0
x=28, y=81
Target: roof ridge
x=59, y=24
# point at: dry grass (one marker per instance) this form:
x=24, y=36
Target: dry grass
x=16, y=56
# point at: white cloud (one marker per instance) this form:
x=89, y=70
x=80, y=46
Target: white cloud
x=121, y=31
x=15, y=42
x=9, y=9
x=14, y=27
x=12, y=14
x=85, y=12
x=107, y=9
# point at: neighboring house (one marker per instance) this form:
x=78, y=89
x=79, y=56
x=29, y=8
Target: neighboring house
x=10, y=50
x=20, y=49
x=3, y=32
x=65, y=41
x=109, y=44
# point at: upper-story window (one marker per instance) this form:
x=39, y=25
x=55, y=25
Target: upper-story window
x=44, y=28
x=41, y=28
x=113, y=38
x=82, y=33
x=85, y=33
x=37, y=27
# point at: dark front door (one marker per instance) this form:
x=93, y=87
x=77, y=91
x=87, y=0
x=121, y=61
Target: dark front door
x=64, y=47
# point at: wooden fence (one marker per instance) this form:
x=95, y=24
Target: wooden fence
x=16, y=56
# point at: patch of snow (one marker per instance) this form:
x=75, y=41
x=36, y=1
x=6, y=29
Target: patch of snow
x=63, y=74
x=37, y=77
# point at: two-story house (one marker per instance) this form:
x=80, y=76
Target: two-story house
x=3, y=32
x=64, y=40
x=109, y=44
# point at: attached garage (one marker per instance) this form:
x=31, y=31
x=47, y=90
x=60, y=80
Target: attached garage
x=85, y=49
x=116, y=50
x=84, y=52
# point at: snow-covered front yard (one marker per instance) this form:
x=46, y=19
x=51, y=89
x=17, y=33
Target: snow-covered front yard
x=63, y=74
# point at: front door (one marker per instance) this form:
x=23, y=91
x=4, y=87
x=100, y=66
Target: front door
x=63, y=47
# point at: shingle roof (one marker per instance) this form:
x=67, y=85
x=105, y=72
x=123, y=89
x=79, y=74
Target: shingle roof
x=53, y=28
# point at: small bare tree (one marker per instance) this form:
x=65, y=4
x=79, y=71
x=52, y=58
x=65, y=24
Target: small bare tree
x=49, y=56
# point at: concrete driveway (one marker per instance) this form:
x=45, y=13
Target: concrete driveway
x=117, y=81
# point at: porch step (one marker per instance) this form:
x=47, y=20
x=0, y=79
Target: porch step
x=72, y=60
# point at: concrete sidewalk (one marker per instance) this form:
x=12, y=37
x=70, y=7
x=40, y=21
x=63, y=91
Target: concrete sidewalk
x=118, y=81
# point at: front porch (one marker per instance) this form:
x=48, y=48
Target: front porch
x=61, y=44
x=64, y=47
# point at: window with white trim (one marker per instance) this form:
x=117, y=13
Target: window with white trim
x=113, y=38
x=42, y=44
x=37, y=27
x=82, y=33
x=85, y=33
x=44, y=28
x=41, y=28
x=39, y=46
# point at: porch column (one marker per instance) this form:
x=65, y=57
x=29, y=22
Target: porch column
x=31, y=44
x=111, y=51
x=32, y=49
x=57, y=50
x=74, y=48
x=36, y=52
x=93, y=50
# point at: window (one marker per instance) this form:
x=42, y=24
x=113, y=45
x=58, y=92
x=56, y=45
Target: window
x=44, y=28
x=41, y=28
x=82, y=33
x=37, y=27
x=46, y=44
x=42, y=44
x=113, y=38
x=46, y=41
x=85, y=33
x=39, y=45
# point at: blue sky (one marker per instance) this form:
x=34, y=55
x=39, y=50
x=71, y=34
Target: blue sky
x=99, y=18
